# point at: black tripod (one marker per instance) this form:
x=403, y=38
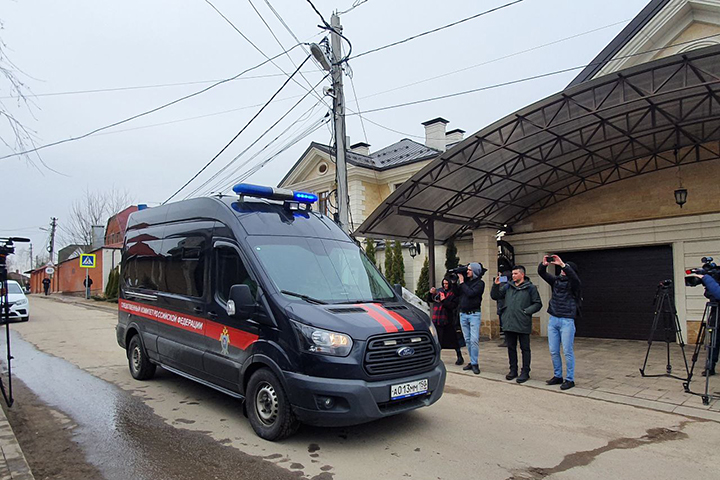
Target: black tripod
x=5, y=318
x=665, y=310
x=708, y=338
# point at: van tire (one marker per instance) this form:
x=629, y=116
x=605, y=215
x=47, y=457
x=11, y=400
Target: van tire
x=268, y=408
x=141, y=368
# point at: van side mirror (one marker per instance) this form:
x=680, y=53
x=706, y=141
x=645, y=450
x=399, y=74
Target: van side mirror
x=398, y=289
x=241, y=302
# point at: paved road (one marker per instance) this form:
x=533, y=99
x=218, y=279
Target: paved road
x=480, y=428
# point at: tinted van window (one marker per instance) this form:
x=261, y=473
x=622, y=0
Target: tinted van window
x=230, y=270
x=184, y=263
x=142, y=263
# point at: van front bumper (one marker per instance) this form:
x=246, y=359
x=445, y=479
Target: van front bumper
x=356, y=401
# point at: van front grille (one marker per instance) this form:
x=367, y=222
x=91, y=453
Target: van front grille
x=382, y=357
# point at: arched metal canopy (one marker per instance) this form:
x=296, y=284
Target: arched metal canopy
x=646, y=118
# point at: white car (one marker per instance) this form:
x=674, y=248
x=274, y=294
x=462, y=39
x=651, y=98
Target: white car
x=19, y=306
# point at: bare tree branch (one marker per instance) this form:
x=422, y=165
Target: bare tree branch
x=93, y=208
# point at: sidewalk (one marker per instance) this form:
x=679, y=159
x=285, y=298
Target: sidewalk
x=12, y=463
x=608, y=370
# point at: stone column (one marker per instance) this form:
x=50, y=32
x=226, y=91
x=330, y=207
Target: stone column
x=485, y=251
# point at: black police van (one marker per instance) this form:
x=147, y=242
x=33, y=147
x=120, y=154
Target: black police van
x=267, y=301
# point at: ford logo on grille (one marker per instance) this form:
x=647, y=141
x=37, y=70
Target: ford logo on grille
x=405, y=351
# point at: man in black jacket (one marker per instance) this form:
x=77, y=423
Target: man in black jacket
x=470, y=291
x=522, y=300
x=563, y=311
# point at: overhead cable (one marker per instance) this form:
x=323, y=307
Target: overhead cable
x=254, y=142
x=147, y=112
x=527, y=79
x=239, y=133
x=477, y=15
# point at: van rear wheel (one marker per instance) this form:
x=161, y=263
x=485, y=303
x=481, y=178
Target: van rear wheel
x=141, y=368
x=269, y=410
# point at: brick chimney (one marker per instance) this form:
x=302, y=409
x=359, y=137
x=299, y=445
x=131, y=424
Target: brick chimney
x=361, y=148
x=435, y=133
x=454, y=136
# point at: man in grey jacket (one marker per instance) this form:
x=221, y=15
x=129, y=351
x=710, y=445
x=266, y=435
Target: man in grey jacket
x=522, y=300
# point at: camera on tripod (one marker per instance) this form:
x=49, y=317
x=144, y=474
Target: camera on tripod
x=708, y=268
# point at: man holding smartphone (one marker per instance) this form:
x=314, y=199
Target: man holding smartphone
x=522, y=300
x=470, y=289
x=563, y=310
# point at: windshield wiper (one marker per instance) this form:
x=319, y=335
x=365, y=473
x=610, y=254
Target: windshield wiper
x=304, y=297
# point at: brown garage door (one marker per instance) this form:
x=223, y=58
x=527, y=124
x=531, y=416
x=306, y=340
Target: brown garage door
x=619, y=288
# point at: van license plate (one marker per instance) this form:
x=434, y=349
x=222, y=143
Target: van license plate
x=409, y=389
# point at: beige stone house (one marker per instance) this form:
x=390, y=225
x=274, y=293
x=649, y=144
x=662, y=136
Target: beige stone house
x=594, y=173
x=372, y=177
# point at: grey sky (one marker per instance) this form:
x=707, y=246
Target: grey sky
x=79, y=45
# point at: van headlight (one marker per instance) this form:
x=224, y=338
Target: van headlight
x=433, y=330
x=324, y=342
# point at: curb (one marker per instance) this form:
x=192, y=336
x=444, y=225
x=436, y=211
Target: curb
x=688, y=411
x=13, y=464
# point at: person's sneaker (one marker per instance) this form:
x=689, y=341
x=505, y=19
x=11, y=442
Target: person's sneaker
x=711, y=373
x=468, y=366
x=554, y=381
x=460, y=360
x=567, y=385
x=476, y=369
x=511, y=375
x=503, y=344
x=524, y=377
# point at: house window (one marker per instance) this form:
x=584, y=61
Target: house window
x=323, y=202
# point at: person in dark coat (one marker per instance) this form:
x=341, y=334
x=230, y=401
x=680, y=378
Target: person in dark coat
x=522, y=300
x=46, y=285
x=444, y=303
x=563, y=309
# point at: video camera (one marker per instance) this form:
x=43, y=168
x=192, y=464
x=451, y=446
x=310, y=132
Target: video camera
x=708, y=268
x=452, y=274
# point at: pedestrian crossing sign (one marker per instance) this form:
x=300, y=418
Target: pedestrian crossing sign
x=87, y=260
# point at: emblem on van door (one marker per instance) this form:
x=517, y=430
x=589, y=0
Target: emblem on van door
x=405, y=351
x=225, y=341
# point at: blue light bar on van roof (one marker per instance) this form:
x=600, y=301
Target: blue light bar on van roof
x=271, y=193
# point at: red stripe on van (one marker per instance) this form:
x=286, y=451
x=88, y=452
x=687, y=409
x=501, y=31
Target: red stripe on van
x=387, y=324
x=238, y=338
x=407, y=326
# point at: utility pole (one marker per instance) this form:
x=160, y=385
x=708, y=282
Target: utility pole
x=339, y=107
x=51, y=247
x=333, y=66
x=32, y=264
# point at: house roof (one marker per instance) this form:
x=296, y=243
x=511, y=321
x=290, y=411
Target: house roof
x=642, y=119
x=622, y=39
x=400, y=153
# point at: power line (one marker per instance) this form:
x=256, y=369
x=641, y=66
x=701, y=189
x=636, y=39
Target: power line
x=148, y=112
x=497, y=59
x=437, y=29
x=254, y=143
x=526, y=79
x=240, y=132
x=355, y=4
x=319, y=97
x=141, y=87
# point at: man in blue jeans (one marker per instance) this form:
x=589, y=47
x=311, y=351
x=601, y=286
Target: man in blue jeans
x=563, y=312
x=470, y=291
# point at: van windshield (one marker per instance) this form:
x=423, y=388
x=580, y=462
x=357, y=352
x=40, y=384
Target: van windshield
x=326, y=270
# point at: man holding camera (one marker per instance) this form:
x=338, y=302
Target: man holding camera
x=470, y=291
x=712, y=293
x=522, y=300
x=563, y=311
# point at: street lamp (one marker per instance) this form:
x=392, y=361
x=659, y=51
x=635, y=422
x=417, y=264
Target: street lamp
x=414, y=249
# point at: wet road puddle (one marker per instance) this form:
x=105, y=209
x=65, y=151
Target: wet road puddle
x=121, y=436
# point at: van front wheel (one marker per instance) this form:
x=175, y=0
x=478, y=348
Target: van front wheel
x=140, y=366
x=268, y=408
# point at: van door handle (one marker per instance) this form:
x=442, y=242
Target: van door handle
x=212, y=314
x=198, y=309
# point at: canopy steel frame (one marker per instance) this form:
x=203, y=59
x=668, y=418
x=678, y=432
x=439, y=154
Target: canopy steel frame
x=640, y=120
